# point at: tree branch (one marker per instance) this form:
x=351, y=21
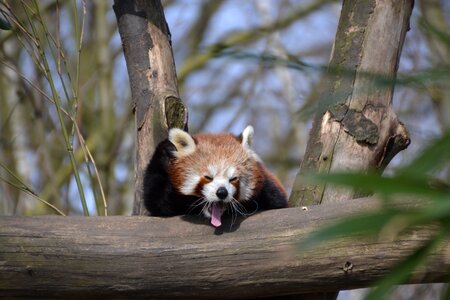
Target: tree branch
x=355, y=127
x=145, y=257
x=151, y=69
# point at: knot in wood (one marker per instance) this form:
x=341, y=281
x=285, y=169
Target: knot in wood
x=348, y=266
x=29, y=271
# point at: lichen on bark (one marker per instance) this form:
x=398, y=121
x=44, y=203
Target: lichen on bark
x=361, y=128
x=354, y=122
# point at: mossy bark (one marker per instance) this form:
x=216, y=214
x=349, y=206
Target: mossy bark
x=354, y=127
x=151, y=69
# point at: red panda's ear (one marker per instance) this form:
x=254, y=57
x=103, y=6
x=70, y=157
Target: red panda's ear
x=183, y=141
x=247, y=142
x=247, y=137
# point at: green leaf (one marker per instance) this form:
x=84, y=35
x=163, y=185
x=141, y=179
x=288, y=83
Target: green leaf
x=402, y=271
x=436, y=210
x=447, y=291
x=433, y=157
x=433, y=30
x=390, y=221
x=365, y=223
x=375, y=183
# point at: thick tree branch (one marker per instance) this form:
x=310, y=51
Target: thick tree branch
x=151, y=69
x=355, y=127
x=145, y=257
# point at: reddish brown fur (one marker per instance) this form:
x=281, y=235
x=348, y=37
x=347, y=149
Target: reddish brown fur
x=198, y=190
x=211, y=149
x=200, y=167
x=236, y=185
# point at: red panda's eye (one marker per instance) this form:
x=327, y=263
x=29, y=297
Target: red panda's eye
x=233, y=179
x=208, y=178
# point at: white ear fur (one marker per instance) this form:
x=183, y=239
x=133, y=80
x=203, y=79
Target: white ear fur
x=247, y=137
x=183, y=141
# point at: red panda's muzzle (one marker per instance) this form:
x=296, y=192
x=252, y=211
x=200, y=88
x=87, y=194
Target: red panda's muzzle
x=222, y=193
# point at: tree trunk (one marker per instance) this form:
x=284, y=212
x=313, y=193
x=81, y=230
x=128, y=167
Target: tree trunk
x=354, y=127
x=151, y=70
x=142, y=257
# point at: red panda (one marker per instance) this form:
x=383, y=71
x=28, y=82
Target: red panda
x=209, y=173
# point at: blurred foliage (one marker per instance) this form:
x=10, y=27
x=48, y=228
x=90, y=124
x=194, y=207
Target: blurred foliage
x=423, y=183
x=61, y=125
x=428, y=202
x=267, y=59
x=66, y=124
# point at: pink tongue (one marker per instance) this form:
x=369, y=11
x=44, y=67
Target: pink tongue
x=216, y=214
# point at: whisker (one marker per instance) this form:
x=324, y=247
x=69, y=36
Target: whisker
x=234, y=214
x=197, y=203
x=206, y=206
x=256, y=208
x=237, y=207
x=242, y=210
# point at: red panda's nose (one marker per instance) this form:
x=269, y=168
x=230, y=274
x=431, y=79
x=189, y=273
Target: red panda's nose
x=222, y=193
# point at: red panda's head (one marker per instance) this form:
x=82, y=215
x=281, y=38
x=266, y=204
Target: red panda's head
x=221, y=169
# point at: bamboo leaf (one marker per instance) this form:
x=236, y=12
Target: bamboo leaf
x=438, y=210
x=375, y=183
x=447, y=291
x=402, y=271
x=360, y=224
x=433, y=157
x=30, y=192
x=387, y=222
x=432, y=30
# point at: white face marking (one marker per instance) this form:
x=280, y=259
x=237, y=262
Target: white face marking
x=212, y=171
x=230, y=172
x=221, y=178
x=190, y=184
x=245, y=191
x=209, y=190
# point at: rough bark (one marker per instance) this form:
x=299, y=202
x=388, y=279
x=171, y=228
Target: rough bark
x=151, y=70
x=355, y=127
x=142, y=257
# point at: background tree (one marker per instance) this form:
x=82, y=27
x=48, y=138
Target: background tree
x=247, y=60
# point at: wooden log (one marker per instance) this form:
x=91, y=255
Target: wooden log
x=147, y=257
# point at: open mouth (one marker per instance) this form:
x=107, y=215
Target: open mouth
x=217, y=209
